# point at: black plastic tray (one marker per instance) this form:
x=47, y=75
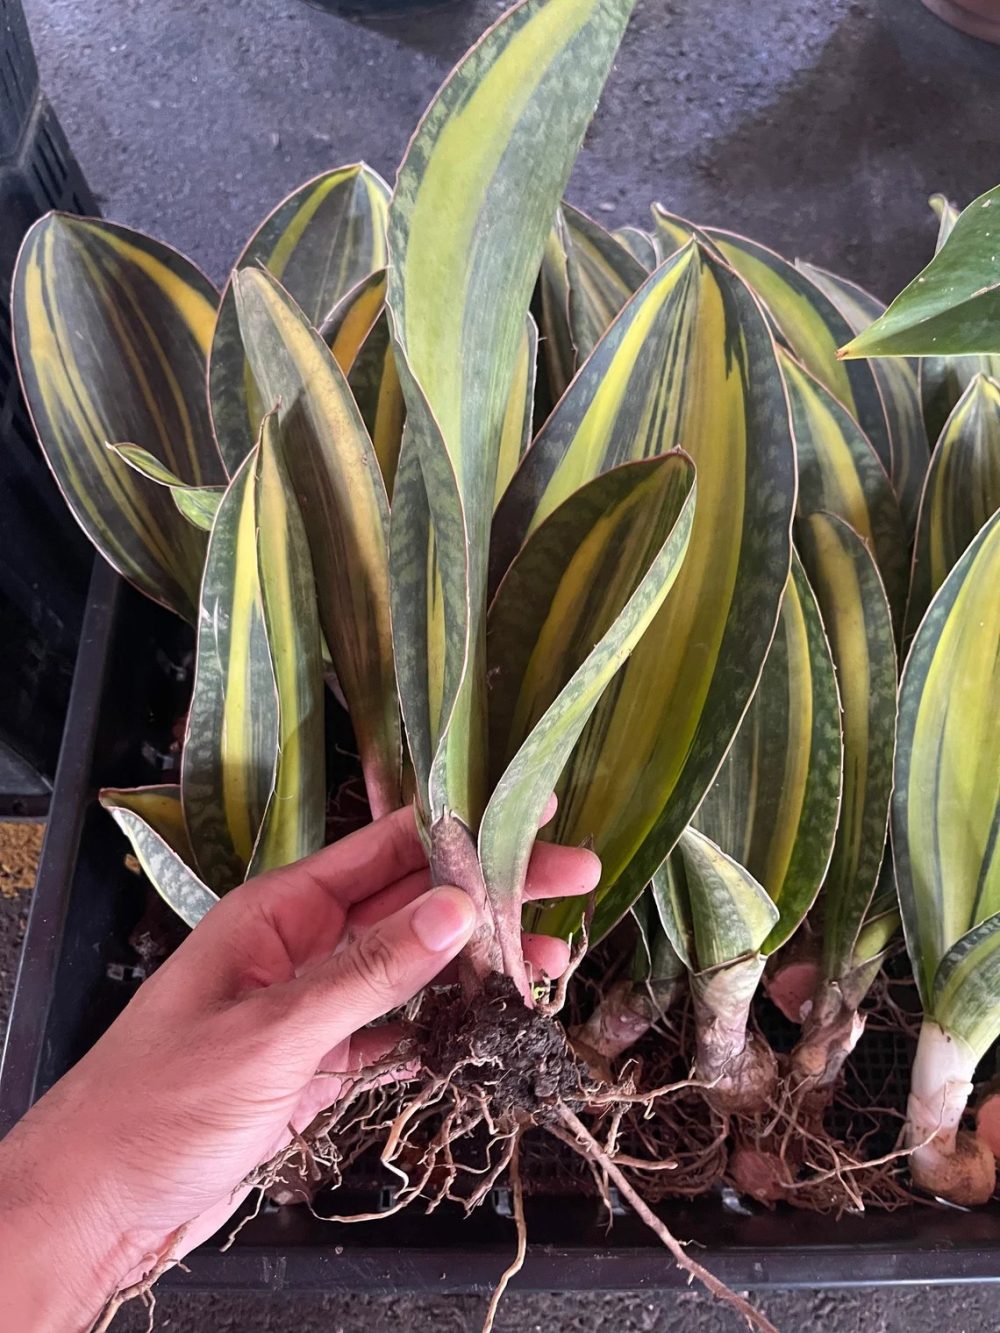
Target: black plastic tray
x=43, y=576
x=75, y=974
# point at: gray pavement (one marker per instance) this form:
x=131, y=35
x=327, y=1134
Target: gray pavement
x=818, y=126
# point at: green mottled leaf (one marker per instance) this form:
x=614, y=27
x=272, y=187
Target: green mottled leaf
x=712, y=908
x=856, y=616
x=839, y=473
x=967, y=984
x=378, y=393
x=152, y=820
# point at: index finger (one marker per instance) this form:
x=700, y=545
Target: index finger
x=363, y=863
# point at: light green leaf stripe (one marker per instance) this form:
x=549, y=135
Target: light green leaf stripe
x=231, y=739
x=572, y=607
x=152, y=820
x=840, y=473
x=295, y=819
x=946, y=799
x=603, y=274
x=517, y=420
x=111, y=333
x=320, y=242
x=492, y=155
x=961, y=492
x=775, y=803
x=690, y=361
x=858, y=624
x=952, y=308
x=334, y=471
x=712, y=909
x=897, y=382
x=198, y=504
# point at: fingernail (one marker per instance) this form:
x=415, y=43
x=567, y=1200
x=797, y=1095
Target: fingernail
x=442, y=918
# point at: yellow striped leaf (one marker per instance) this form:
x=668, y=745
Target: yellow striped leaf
x=898, y=385
x=335, y=473
x=952, y=308
x=689, y=361
x=378, y=393
x=198, y=504
x=775, y=804
x=320, y=242
x=517, y=422
x=352, y=320
x=840, y=473
x=946, y=800
x=961, y=492
x=812, y=327
x=639, y=244
x=153, y=821
x=570, y=610
x=231, y=739
x=858, y=624
x=553, y=300
x=294, y=822
x=111, y=332
x=602, y=273
x=473, y=205
x=671, y=232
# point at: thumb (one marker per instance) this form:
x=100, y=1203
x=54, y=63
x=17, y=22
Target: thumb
x=379, y=969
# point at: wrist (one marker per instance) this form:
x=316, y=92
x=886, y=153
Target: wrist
x=64, y=1250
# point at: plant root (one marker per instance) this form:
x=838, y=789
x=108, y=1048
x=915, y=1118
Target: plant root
x=579, y=1137
x=494, y=1075
x=143, y=1289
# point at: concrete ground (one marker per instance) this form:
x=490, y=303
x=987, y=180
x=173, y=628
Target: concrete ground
x=818, y=126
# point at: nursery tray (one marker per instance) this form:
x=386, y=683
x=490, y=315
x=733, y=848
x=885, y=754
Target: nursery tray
x=77, y=970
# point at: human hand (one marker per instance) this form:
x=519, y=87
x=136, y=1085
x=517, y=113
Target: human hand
x=140, y=1151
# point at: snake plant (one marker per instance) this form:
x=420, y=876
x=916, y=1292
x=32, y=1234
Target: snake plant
x=361, y=500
